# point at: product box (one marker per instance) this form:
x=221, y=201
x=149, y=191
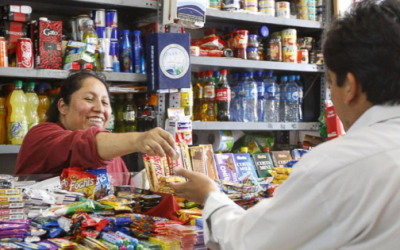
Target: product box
x=210, y=161
x=79, y=57
x=198, y=159
x=334, y=125
x=12, y=211
x=280, y=158
x=12, y=205
x=245, y=166
x=226, y=167
x=263, y=162
x=18, y=13
x=48, y=45
x=167, y=61
x=12, y=31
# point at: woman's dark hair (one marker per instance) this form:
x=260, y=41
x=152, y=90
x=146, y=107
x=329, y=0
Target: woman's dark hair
x=72, y=84
x=366, y=43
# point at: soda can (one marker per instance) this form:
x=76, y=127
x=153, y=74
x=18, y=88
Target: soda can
x=24, y=53
x=99, y=19
x=302, y=56
x=72, y=23
x=3, y=52
x=106, y=57
x=80, y=20
x=112, y=18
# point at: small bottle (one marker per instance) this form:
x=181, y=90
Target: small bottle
x=126, y=53
x=31, y=105
x=18, y=119
x=301, y=95
x=130, y=114
x=261, y=95
x=223, y=94
x=270, y=99
x=187, y=101
x=292, y=100
x=234, y=97
x=3, y=117
x=44, y=103
x=209, y=98
x=90, y=36
x=111, y=123
x=198, y=96
x=9, y=111
x=282, y=100
x=250, y=99
x=138, y=54
x=114, y=55
x=119, y=125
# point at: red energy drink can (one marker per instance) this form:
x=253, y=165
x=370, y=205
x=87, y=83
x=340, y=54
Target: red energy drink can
x=24, y=53
x=3, y=52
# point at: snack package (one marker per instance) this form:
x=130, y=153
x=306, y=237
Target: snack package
x=210, y=161
x=198, y=161
x=245, y=167
x=77, y=180
x=226, y=167
x=103, y=187
x=263, y=162
x=11, y=198
x=187, y=164
x=10, y=246
x=280, y=158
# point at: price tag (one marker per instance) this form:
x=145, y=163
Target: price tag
x=283, y=126
x=294, y=125
x=269, y=125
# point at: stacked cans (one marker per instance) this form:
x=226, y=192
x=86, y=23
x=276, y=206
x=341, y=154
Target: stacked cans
x=267, y=7
x=289, y=45
x=283, y=9
x=250, y=5
x=308, y=9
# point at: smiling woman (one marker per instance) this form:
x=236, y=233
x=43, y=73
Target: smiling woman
x=75, y=134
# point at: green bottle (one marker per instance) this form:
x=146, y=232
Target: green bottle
x=130, y=114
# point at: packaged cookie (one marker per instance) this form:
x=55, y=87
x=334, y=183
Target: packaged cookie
x=103, y=187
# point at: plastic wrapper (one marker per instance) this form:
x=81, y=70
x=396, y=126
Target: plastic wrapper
x=77, y=180
x=10, y=246
x=63, y=243
x=76, y=207
x=211, y=53
x=103, y=187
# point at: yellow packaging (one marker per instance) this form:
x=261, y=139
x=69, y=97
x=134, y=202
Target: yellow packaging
x=11, y=198
x=13, y=191
x=290, y=54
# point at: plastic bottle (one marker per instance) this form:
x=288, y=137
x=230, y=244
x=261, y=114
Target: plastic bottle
x=31, y=106
x=292, y=100
x=187, y=101
x=301, y=95
x=250, y=98
x=234, y=97
x=111, y=123
x=44, y=103
x=277, y=99
x=198, y=96
x=119, y=112
x=261, y=95
x=126, y=55
x=244, y=150
x=3, y=117
x=18, y=121
x=241, y=94
x=282, y=88
x=270, y=99
x=138, y=53
x=130, y=114
x=209, y=98
x=9, y=110
x=223, y=93
x=90, y=36
x=216, y=77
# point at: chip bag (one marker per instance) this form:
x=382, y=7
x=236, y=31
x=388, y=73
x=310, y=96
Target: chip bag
x=103, y=186
x=77, y=180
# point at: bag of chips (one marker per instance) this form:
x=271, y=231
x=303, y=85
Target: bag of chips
x=78, y=180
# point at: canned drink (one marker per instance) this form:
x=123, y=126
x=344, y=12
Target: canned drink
x=106, y=57
x=112, y=18
x=72, y=23
x=80, y=20
x=283, y=9
x=24, y=53
x=108, y=32
x=268, y=11
x=289, y=37
x=266, y=4
x=290, y=54
x=99, y=19
x=3, y=52
x=302, y=56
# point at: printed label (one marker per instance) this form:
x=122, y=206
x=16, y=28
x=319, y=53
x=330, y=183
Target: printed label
x=130, y=116
x=18, y=129
x=261, y=91
x=292, y=96
x=223, y=95
x=233, y=95
x=250, y=92
x=198, y=92
x=186, y=99
x=209, y=92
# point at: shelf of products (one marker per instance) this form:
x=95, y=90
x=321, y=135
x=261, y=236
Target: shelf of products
x=123, y=3
x=206, y=63
x=214, y=15
x=256, y=126
x=62, y=74
x=9, y=149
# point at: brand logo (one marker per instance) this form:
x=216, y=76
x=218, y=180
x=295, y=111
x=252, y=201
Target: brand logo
x=26, y=49
x=50, y=32
x=15, y=33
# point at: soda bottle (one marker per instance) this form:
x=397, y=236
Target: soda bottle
x=216, y=77
x=209, y=98
x=111, y=123
x=130, y=114
x=18, y=121
x=223, y=93
x=31, y=106
x=282, y=88
x=187, y=101
x=261, y=92
x=234, y=97
x=301, y=95
x=44, y=103
x=126, y=53
x=3, y=117
x=198, y=96
x=138, y=54
x=145, y=109
x=271, y=100
x=90, y=36
x=119, y=119
x=292, y=100
x=250, y=99
x=9, y=109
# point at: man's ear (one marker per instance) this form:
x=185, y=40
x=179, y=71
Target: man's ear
x=351, y=88
x=62, y=106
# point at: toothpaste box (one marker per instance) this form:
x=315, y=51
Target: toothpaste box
x=226, y=167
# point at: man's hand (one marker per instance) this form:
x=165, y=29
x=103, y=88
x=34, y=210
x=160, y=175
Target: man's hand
x=196, y=188
x=156, y=142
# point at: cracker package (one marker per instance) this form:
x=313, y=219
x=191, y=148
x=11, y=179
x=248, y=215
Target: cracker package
x=78, y=180
x=103, y=186
x=210, y=161
x=198, y=159
x=280, y=158
x=226, y=167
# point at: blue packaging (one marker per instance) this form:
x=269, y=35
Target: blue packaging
x=126, y=56
x=167, y=61
x=245, y=166
x=132, y=240
x=103, y=187
x=112, y=239
x=138, y=56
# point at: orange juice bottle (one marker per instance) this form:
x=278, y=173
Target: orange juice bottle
x=44, y=104
x=8, y=106
x=3, y=117
x=18, y=119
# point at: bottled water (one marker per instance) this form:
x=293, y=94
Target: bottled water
x=261, y=95
x=277, y=99
x=234, y=97
x=241, y=93
x=292, y=100
x=301, y=95
x=271, y=101
x=250, y=98
x=282, y=89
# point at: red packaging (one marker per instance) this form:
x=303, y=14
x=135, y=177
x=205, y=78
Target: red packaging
x=12, y=31
x=48, y=46
x=3, y=52
x=24, y=53
x=335, y=126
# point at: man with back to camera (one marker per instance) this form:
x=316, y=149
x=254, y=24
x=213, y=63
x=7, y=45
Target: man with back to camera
x=344, y=194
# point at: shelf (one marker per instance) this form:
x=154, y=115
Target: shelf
x=123, y=3
x=256, y=126
x=209, y=63
x=242, y=18
x=63, y=74
x=9, y=149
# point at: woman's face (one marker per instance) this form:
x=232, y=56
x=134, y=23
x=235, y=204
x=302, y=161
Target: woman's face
x=89, y=106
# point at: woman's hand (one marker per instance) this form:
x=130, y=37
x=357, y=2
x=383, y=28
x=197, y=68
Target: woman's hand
x=196, y=188
x=156, y=142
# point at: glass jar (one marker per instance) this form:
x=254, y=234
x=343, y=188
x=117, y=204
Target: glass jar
x=261, y=51
x=241, y=53
x=252, y=54
x=275, y=46
x=253, y=41
x=240, y=39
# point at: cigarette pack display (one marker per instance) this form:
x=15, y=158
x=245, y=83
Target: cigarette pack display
x=263, y=162
x=198, y=159
x=245, y=167
x=210, y=161
x=280, y=158
x=48, y=46
x=226, y=167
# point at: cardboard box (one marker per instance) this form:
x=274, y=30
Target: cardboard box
x=12, y=31
x=198, y=159
x=245, y=166
x=263, y=162
x=48, y=45
x=226, y=167
x=280, y=158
